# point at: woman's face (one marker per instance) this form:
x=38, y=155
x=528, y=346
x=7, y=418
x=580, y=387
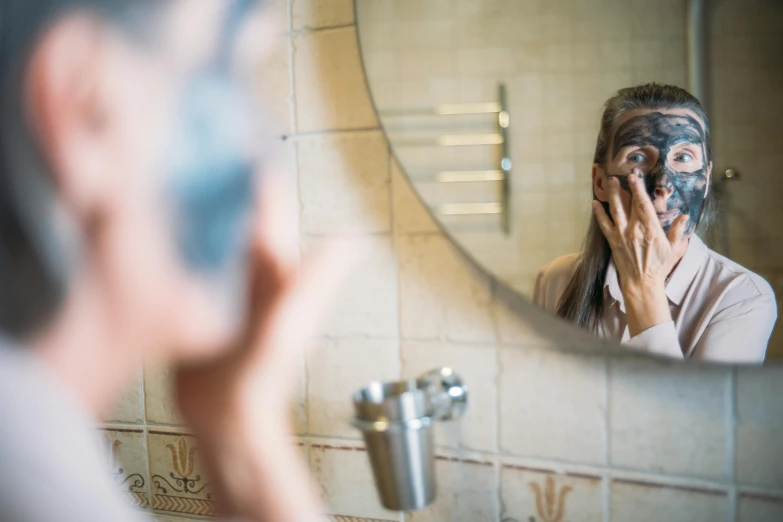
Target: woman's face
x=153, y=174
x=668, y=149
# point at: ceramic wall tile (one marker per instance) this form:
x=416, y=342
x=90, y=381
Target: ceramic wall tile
x=128, y=457
x=441, y=295
x=467, y=492
x=159, y=396
x=366, y=302
x=128, y=408
x=344, y=183
x=477, y=365
x=346, y=482
x=330, y=89
x=538, y=495
x=667, y=418
x=177, y=481
x=552, y=405
x=321, y=13
x=278, y=11
x=638, y=502
x=275, y=88
x=299, y=405
x=336, y=368
x=760, y=427
x=757, y=508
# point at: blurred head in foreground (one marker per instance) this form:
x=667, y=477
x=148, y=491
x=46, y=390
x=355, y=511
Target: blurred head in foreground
x=129, y=152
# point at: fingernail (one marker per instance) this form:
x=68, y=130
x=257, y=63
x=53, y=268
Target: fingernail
x=631, y=179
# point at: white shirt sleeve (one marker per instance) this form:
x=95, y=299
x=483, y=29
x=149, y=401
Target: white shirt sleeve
x=660, y=339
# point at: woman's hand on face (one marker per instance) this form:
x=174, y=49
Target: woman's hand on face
x=643, y=254
x=238, y=404
x=226, y=395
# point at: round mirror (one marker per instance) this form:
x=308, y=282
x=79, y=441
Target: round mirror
x=494, y=109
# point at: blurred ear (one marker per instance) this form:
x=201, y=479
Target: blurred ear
x=63, y=96
x=599, y=179
x=709, y=179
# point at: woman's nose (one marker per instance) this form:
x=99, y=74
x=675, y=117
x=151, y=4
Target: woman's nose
x=663, y=189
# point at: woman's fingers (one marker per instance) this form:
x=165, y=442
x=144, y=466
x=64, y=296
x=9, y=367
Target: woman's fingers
x=604, y=222
x=275, y=227
x=641, y=207
x=616, y=204
x=677, y=230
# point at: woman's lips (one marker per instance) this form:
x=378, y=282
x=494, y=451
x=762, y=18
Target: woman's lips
x=669, y=214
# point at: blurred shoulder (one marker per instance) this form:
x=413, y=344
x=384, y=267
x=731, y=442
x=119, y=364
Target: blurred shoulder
x=559, y=267
x=552, y=280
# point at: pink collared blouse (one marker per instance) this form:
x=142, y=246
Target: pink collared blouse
x=720, y=310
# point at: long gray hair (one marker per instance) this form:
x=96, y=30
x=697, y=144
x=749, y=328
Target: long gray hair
x=33, y=256
x=582, y=302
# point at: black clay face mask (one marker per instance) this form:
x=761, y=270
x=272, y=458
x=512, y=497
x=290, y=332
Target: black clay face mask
x=663, y=132
x=210, y=181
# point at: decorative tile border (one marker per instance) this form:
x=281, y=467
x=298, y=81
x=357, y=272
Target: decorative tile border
x=660, y=485
x=128, y=457
x=543, y=495
x=464, y=460
x=177, y=481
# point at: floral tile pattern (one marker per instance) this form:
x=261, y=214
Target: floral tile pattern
x=177, y=482
x=128, y=458
x=542, y=496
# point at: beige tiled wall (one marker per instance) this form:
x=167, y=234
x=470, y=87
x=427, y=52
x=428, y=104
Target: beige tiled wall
x=746, y=79
x=560, y=60
x=588, y=437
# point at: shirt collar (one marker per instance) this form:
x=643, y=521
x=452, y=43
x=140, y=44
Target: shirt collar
x=686, y=270
x=678, y=283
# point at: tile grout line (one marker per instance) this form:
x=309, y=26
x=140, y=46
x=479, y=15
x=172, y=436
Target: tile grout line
x=291, y=73
x=327, y=132
x=498, y=416
x=294, y=114
x=562, y=467
x=306, y=29
x=143, y=396
x=395, y=248
x=390, y=159
x=731, y=441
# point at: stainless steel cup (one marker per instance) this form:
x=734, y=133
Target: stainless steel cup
x=396, y=419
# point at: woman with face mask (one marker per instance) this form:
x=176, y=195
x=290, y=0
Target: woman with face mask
x=134, y=227
x=643, y=276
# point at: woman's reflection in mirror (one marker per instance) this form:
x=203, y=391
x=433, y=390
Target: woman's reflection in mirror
x=643, y=276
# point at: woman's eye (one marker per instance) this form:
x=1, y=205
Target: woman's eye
x=683, y=156
x=636, y=158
